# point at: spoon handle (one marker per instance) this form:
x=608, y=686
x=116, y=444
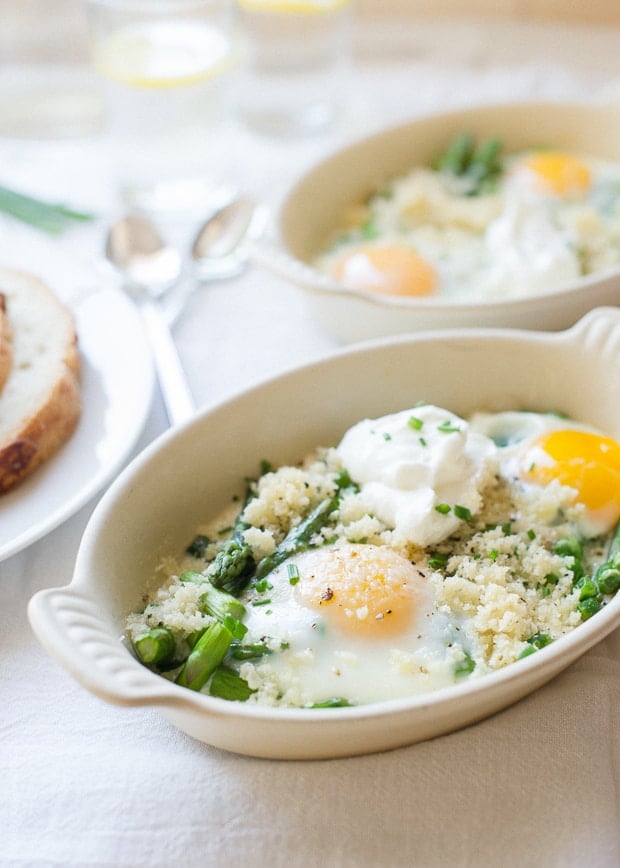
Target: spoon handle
x=173, y=384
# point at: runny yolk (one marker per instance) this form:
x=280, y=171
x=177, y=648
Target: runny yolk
x=559, y=173
x=363, y=589
x=387, y=268
x=584, y=461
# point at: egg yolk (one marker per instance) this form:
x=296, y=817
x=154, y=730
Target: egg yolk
x=586, y=462
x=387, y=268
x=559, y=173
x=363, y=589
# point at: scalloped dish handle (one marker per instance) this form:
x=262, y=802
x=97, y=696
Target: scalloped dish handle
x=66, y=622
x=599, y=327
x=273, y=258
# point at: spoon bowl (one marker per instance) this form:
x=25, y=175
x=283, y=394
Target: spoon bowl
x=136, y=250
x=147, y=268
x=219, y=249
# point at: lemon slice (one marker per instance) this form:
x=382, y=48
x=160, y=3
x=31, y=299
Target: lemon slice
x=303, y=7
x=164, y=54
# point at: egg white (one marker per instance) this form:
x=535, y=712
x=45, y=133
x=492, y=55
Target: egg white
x=314, y=659
x=409, y=463
x=515, y=434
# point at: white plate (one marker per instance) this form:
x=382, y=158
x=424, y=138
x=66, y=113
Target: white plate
x=117, y=388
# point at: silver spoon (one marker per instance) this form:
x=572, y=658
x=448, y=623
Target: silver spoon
x=148, y=267
x=219, y=248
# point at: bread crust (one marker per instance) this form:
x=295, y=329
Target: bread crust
x=53, y=417
x=6, y=346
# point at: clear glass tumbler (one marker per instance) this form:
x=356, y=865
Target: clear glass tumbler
x=297, y=63
x=166, y=69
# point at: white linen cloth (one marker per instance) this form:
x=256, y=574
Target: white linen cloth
x=83, y=783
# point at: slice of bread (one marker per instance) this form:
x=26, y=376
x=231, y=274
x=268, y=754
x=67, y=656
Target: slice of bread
x=6, y=347
x=40, y=404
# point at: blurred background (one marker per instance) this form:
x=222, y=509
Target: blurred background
x=39, y=30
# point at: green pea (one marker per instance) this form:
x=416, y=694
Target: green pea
x=589, y=589
x=539, y=640
x=608, y=579
x=568, y=546
x=588, y=607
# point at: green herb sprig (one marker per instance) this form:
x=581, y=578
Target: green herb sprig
x=52, y=218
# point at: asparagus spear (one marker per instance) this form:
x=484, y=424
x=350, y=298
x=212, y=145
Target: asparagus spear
x=156, y=646
x=485, y=164
x=457, y=156
x=220, y=603
x=248, y=652
x=481, y=165
x=232, y=566
x=205, y=657
x=298, y=539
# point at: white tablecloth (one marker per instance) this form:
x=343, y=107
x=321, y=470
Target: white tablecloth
x=83, y=783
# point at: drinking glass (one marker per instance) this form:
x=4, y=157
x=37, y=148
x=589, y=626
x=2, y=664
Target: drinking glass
x=297, y=63
x=166, y=69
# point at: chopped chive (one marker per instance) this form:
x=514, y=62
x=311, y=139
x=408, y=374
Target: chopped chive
x=334, y=702
x=422, y=441
x=248, y=652
x=465, y=666
x=387, y=436
x=493, y=554
x=198, y=546
x=369, y=230
x=462, y=512
x=265, y=467
x=531, y=534
x=264, y=602
x=415, y=423
x=443, y=508
x=507, y=529
x=343, y=480
x=293, y=574
x=448, y=427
